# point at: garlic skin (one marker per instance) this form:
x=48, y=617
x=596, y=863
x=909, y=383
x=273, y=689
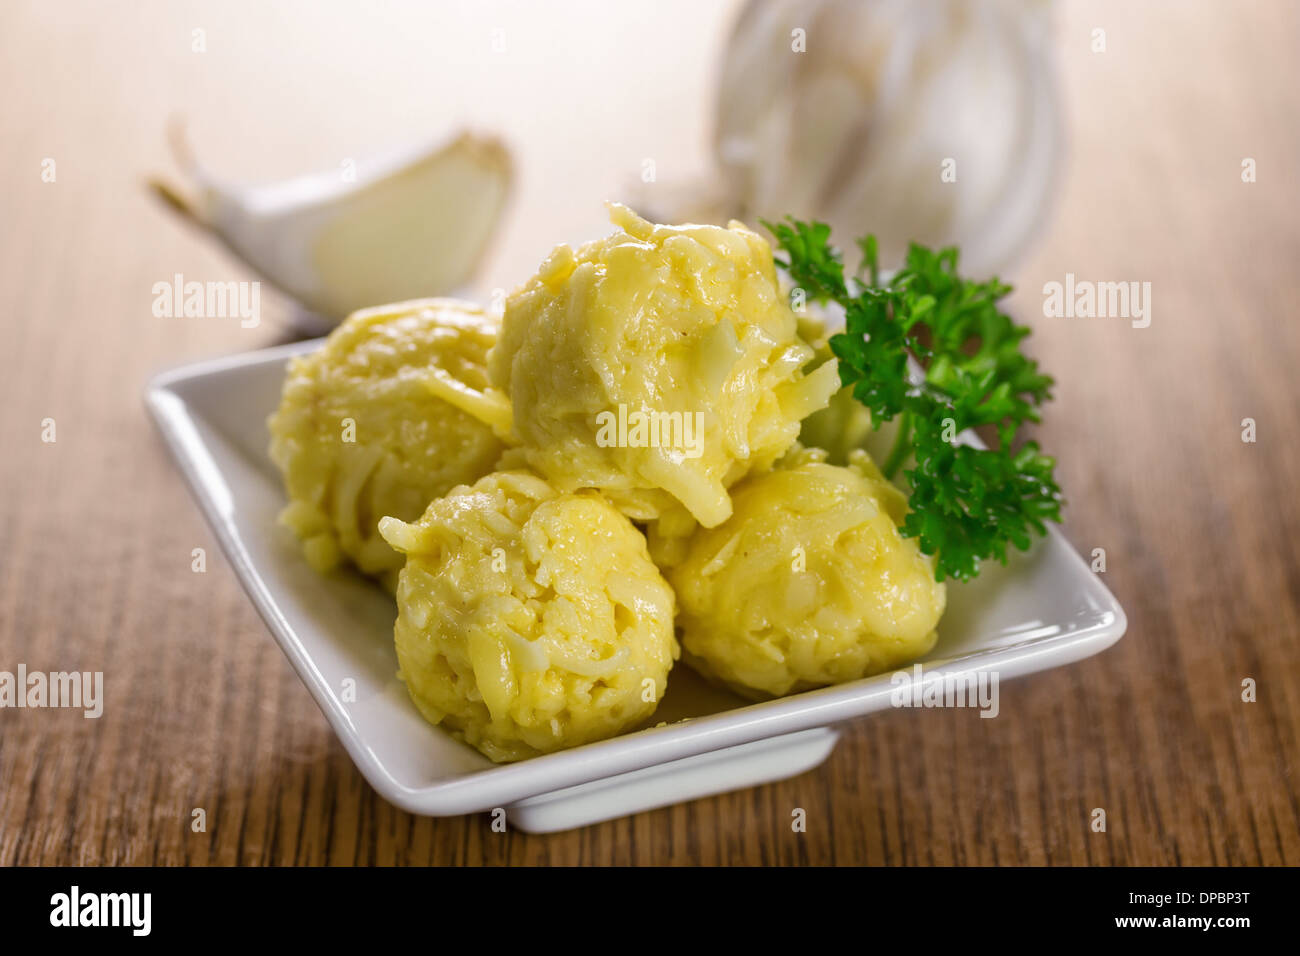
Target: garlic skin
x=856, y=130
x=414, y=226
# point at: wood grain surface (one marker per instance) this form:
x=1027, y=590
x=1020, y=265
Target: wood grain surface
x=202, y=709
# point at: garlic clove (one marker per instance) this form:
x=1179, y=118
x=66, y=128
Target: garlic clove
x=412, y=227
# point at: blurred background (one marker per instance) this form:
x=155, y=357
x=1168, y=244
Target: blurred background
x=1154, y=142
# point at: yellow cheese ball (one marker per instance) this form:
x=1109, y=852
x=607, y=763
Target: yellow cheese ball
x=842, y=427
x=391, y=412
x=530, y=620
x=845, y=424
x=808, y=583
x=658, y=365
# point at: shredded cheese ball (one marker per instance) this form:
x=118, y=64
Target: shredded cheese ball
x=393, y=411
x=489, y=472
x=808, y=583
x=612, y=355
x=530, y=620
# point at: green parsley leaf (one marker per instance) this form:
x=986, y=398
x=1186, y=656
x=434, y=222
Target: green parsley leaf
x=967, y=504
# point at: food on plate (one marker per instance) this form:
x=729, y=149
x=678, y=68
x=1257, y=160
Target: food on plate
x=529, y=619
x=658, y=365
x=392, y=411
x=652, y=445
x=808, y=583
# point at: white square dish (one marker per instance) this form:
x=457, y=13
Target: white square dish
x=1045, y=609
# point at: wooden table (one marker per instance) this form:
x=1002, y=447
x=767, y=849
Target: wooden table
x=202, y=710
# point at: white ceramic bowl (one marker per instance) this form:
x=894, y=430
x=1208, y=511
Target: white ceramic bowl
x=1045, y=609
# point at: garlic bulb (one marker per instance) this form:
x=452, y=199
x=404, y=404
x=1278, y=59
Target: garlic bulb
x=930, y=120
x=413, y=227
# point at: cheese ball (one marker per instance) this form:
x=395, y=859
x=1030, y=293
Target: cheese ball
x=808, y=583
x=530, y=620
x=842, y=427
x=658, y=365
x=391, y=412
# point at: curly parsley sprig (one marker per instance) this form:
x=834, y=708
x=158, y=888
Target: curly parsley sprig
x=967, y=504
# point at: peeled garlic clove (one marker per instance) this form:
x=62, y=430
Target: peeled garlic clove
x=413, y=227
